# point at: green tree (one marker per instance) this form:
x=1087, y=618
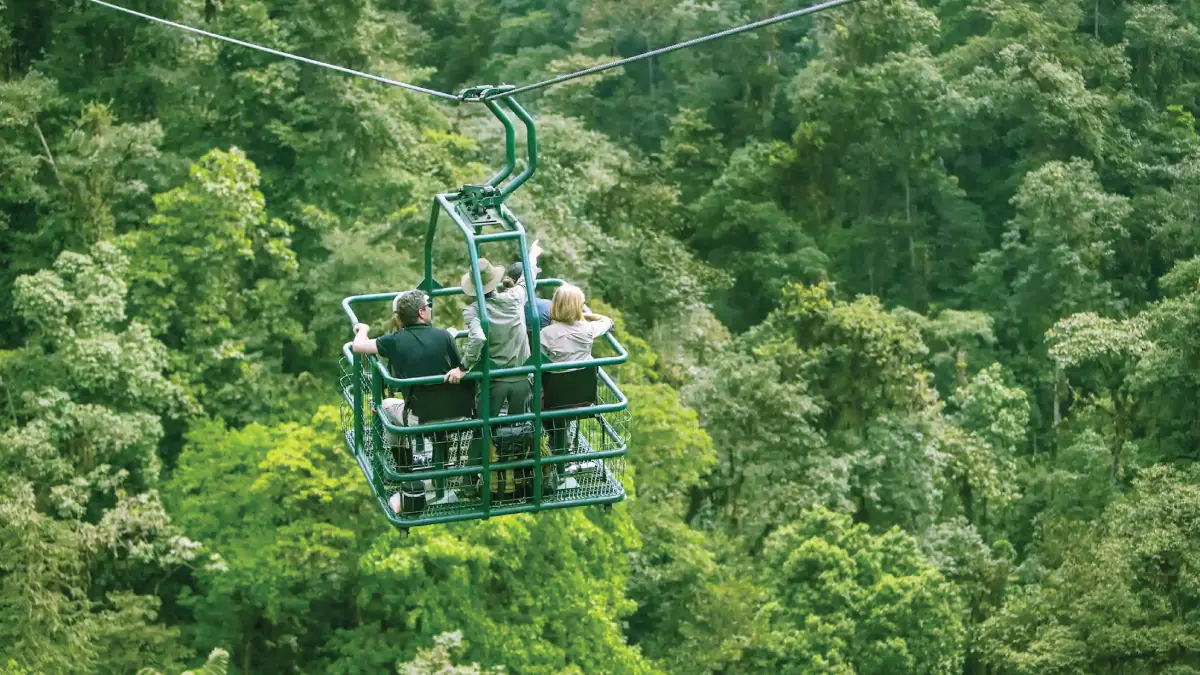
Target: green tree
x=86, y=539
x=825, y=402
x=1162, y=383
x=212, y=276
x=744, y=230
x=1105, y=351
x=438, y=660
x=216, y=664
x=842, y=600
x=675, y=568
x=287, y=576
x=991, y=428
x=960, y=335
x=874, y=119
x=538, y=594
x=1056, y=252
x=1122, y=601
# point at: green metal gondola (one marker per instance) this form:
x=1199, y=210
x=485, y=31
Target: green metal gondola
x=460, y=464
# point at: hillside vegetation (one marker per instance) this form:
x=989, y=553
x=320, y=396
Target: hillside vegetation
x=911, y=291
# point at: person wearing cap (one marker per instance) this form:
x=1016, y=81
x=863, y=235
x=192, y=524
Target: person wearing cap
x=414, y=348
x=515, y=272
x=507, y=341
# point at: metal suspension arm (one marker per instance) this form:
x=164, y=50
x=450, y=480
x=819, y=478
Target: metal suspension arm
x=510, y=144
x=530, y=148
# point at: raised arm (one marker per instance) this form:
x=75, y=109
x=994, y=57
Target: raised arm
x=523, y=287
x=362, y=344
x=535, y=252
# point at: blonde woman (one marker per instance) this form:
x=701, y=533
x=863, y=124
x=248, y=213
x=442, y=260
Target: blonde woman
x=569, y=337
x=572, y=331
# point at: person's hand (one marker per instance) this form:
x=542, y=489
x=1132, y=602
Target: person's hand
x=455, y=376
x=361, y=328
x=535, y=250
x=452, y=331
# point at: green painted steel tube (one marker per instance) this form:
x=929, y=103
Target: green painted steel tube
x=510, y=144
x=594, y=409
x=497, y=236
x=621, y=404
x=377, y=409
x=530, y=148
x=620, y=358
x=356, y=383
x=485, y=388
x=400, y=522
x=427, y=283
x=399, y=476
x=457, y=290
x=519, y=370
x=349, y=302
x=504, y=420
x=529, y=274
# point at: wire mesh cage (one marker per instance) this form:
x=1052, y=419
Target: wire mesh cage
x=422, y=476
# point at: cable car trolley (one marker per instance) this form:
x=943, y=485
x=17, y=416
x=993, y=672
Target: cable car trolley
x=457, y=462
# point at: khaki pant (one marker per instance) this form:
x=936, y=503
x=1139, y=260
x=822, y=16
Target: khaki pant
x=393, y=409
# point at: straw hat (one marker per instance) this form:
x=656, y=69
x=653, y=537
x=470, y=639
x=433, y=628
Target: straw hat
x=491, y=276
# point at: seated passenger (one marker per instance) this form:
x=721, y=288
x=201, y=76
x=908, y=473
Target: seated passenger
x=515, y=271
x=572, y=331
x=508, y=341
x=569, y=337
x=414, y=348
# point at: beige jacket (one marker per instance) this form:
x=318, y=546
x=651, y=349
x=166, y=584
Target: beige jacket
x=573, y=341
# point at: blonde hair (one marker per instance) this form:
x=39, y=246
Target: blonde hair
x=567, y=305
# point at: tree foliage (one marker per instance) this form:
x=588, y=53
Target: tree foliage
x=911, y=293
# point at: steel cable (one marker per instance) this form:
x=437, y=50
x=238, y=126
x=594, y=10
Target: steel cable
x=681, y=45
x=276, y=52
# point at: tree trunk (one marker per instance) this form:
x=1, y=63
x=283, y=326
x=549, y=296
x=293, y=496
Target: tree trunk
x=695, y=501
x=1057, y=409
x=968, y=498
x=45, y=146
x=1119, y=428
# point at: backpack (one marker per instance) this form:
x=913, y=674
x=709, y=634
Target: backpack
x=514, y=442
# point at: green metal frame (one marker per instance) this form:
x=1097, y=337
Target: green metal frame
x=474, y=209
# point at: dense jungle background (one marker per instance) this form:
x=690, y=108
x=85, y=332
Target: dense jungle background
x=912, y=291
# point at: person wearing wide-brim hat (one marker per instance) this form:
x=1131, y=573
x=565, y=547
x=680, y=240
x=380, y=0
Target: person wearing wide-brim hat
x=507, y=339
x=491, y=276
